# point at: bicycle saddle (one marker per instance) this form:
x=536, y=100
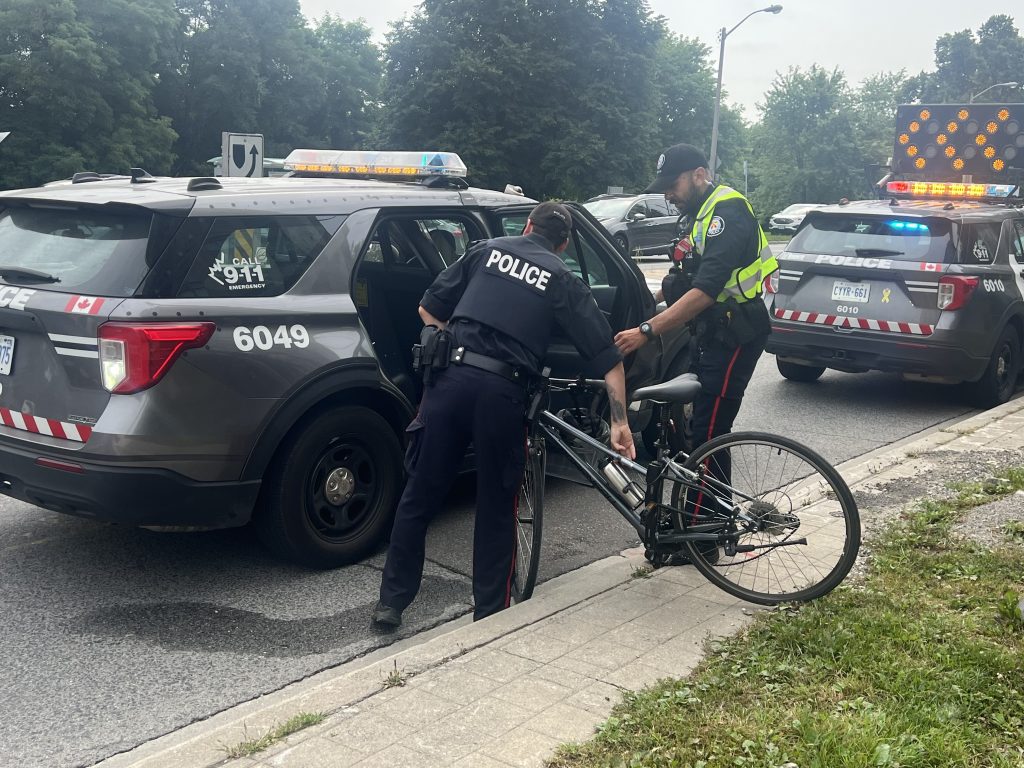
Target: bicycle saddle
x=681, y=389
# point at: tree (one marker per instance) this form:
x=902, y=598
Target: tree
x=874, y=104
x=557, y=96
x=807, y=146
x=351, y=71
x=76, y=82
x=686, y=85
x=248, y=66
x=966, y=65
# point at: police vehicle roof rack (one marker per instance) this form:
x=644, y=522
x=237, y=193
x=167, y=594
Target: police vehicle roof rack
x=84, y=177
x=204, y=182
x=443, y=182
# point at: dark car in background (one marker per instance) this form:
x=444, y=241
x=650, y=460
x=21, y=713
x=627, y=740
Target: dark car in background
x=641, y=225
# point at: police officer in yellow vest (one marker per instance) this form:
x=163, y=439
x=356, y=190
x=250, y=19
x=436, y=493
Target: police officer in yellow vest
x=724, y=303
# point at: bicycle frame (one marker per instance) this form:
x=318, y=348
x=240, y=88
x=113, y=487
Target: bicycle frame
x=553, y=427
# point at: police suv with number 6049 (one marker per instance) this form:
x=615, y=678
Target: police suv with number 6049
x=209, y=352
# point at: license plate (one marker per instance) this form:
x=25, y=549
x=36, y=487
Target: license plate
x=6, y=354
x=844, y=291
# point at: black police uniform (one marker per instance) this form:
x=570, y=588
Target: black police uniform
x=723, y=367
x=501, y=300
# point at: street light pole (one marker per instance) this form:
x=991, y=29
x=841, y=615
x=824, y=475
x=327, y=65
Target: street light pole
x=713, y=160
x=997, y=85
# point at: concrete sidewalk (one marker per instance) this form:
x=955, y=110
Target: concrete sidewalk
x=506, y=691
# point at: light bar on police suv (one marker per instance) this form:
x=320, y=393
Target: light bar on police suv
x=356, y=164
x=948, y=189
x=950, y=140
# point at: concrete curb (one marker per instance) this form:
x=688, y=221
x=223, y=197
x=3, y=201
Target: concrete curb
x=203, y=744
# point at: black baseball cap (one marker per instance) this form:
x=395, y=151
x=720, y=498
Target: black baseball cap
x=677, y=159
x=553, y=220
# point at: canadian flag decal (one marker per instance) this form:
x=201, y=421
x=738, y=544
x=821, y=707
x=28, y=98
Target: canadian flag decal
x=84, y=305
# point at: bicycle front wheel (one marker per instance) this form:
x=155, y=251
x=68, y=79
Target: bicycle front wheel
x=529, y=519
x=794, y=531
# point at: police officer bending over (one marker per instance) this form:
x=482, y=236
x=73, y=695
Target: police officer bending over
x=723, y=300
x=497, y=305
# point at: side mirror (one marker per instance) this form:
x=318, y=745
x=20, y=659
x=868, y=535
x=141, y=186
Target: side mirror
x=638, y=216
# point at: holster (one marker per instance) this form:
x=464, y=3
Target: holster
x=733, y=324
x=432, y=353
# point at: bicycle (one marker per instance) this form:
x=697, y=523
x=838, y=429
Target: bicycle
x=782, y=531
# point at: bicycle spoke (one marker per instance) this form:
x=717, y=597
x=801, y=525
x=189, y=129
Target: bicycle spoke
x=795, y=495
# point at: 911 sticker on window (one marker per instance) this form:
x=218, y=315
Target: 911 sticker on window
x=263, y=338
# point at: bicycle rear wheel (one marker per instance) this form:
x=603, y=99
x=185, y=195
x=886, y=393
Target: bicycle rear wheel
x=529, y=519
x=794, y=531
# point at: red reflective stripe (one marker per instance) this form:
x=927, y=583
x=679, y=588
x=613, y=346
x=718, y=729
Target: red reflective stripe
x=714, y=417
x=58, y=430
x=84, y=432
x=5, y=415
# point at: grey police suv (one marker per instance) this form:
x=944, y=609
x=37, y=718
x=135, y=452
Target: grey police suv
x=929, y=284
x=202, y=353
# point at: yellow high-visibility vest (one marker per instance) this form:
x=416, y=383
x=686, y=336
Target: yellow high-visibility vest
x=743, y=284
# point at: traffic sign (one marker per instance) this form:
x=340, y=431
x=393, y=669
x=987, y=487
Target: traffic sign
x=241, y=154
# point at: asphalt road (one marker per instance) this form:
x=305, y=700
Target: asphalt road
x=113, y=636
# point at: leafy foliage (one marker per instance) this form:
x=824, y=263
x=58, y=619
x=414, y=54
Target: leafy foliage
x=75, y=87
x=556, y=96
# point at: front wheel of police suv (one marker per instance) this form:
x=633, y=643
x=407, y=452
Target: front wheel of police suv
x=330, y=493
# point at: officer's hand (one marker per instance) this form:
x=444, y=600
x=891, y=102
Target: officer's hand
x=622, y=440
x=629, y=340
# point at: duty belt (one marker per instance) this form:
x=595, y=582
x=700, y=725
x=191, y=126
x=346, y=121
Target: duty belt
x=462, y=356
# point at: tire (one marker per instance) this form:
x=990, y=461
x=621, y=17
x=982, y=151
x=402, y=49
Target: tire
x=800, y=520
x=529, y=522
x=331, y=492
x=799, y=372
x=999, y=381
x=623, y=243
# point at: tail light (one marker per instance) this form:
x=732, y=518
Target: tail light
x=134, y=357
x=771, y=283
x=955, y=290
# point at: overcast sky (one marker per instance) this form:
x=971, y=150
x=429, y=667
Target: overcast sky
x=860, y=37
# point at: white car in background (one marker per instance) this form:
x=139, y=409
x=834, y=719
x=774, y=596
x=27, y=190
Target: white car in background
x=788, y=219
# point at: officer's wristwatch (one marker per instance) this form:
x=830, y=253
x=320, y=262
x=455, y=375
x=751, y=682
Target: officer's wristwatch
x=647, y=330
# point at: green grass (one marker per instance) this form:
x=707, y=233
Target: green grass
x=297, y=723
x=921, y=663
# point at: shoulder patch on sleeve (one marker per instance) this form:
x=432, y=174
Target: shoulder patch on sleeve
x=716, y=227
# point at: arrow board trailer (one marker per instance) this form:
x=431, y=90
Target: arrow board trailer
x=242, y=154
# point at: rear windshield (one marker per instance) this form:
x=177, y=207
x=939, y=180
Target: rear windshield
x=886, y=237
x=74, y=250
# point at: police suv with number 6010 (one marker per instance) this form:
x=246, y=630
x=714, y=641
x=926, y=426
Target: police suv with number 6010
x=928, y=283
x=202, y=353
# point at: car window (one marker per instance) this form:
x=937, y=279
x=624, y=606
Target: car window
x=579, y=255
x=1017, y=241
x=257, y=255
x=884, y=237
x=980, y=242
x=640, y=206
x=87, y=251
x=659, y=206
x=448, y=236
x=609, y=208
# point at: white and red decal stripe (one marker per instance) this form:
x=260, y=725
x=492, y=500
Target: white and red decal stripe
x=861, y=323
x=64, y=430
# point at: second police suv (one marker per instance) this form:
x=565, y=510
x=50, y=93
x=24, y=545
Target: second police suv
x=202, y=353
x=928, y=283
